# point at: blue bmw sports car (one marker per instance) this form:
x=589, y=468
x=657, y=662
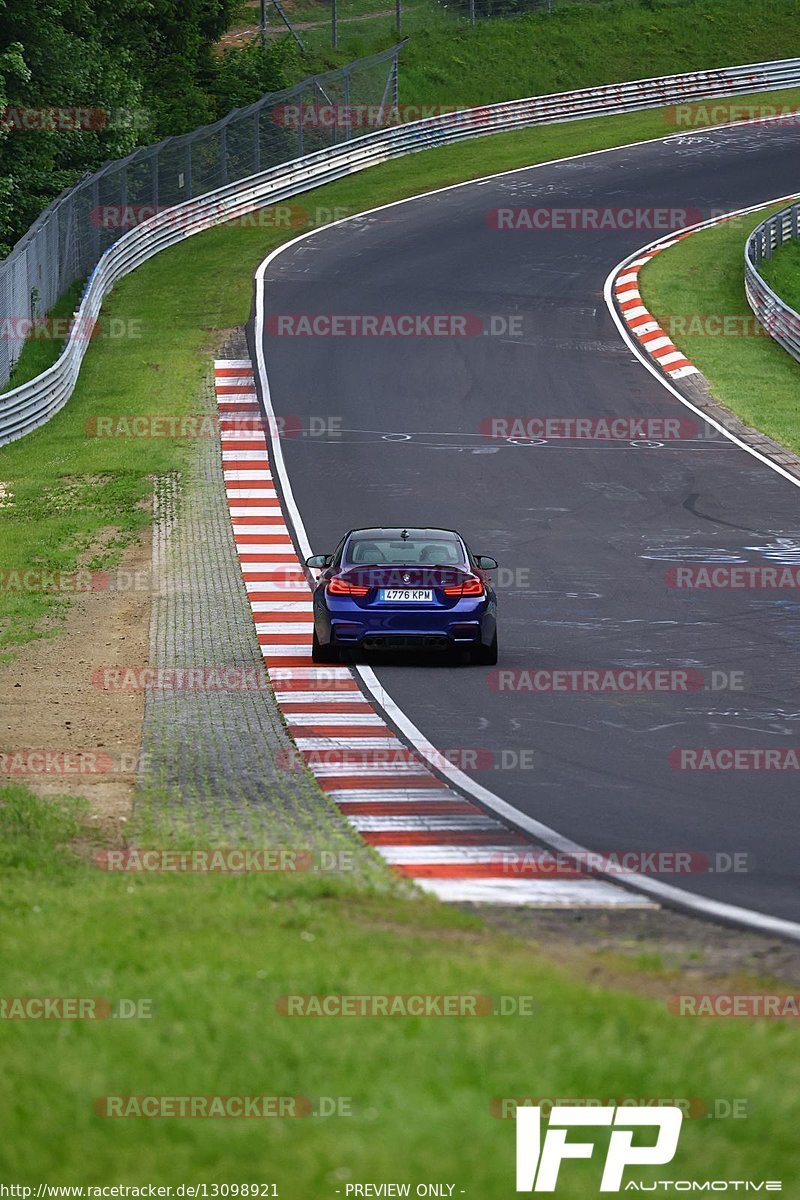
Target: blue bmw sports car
x=404, y=589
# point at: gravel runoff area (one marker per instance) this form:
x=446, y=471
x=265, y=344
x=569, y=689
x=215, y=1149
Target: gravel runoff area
x=219, y=763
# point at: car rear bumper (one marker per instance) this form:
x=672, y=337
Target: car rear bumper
x=402, y=641
x=393, y=633
x=345, y=623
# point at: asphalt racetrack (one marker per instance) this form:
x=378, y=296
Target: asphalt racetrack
x=391, y=430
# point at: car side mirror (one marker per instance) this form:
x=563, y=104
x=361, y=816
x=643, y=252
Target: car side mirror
x=319, y=560
x=486, y=563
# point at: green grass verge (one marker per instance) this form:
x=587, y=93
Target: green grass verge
x=39, y=353
x=448, y=61
x=78, y=498
x=782, y=273
x=703, y=276
x=214, y=954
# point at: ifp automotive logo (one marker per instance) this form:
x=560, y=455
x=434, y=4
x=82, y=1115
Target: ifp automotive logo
x=539, y=1160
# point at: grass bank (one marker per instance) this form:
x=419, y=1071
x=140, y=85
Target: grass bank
x=412, y=1098
x=447, y=61
x=702, y=279
x=782, y=273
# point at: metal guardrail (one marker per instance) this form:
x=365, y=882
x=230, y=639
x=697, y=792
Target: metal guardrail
x=779, y=320
x=31, y=405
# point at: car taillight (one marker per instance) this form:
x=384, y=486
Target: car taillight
x=341, y=587
x=472, y=586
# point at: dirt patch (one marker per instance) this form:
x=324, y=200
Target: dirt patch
x=243, y=33
x=655, y=951
x=48, y=702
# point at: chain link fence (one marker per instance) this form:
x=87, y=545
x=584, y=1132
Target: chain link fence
x=65, y=243
x=482, y=10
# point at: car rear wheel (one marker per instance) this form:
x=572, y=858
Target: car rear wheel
x=323, y=654
x=485, y=656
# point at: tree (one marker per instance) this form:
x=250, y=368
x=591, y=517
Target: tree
x=143, y=68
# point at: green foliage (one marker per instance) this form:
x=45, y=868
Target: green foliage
x=246, y=74
x=145, y=68
x=59, y=55
x=32, y=832
x=782, y=273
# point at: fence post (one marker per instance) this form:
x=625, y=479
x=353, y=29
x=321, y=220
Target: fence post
x=93, y=241
x=348, y=132
x=256, y=141
x=223, y=153
x=187, y=170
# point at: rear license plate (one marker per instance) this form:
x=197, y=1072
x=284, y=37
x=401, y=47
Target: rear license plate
x=407, y=595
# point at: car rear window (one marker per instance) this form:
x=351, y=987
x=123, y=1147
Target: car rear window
x=373, y=548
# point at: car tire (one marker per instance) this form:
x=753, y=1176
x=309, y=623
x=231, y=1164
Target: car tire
x=323, y=654
x=485, y=656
